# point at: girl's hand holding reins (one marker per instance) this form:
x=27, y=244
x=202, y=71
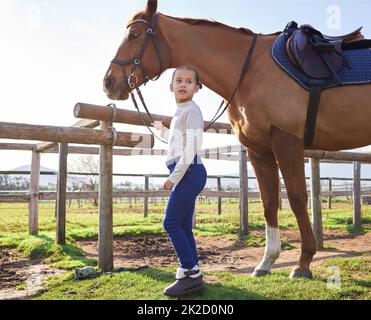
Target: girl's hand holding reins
x=168, y=185
x=158, y=125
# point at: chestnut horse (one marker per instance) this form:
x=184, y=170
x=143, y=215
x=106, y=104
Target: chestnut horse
x=268, y=113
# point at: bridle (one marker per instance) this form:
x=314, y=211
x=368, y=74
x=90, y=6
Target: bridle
x=137, y=61
x=132, y=79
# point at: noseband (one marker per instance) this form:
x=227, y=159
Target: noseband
x=132, y=79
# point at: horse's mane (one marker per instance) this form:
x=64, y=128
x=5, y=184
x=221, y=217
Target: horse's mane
x=201, y=22
x=212, y=23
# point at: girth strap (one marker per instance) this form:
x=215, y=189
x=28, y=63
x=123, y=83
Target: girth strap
x=314, y=99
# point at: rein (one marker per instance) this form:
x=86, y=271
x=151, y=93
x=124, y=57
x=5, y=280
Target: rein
x=245, y=68
x=133, y=80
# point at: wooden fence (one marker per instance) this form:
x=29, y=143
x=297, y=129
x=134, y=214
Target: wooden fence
x=83, y=132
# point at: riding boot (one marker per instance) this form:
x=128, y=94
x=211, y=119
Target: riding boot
x=188, y=281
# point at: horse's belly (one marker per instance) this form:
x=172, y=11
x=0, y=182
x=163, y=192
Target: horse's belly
x=335, y=142
x=344, y=119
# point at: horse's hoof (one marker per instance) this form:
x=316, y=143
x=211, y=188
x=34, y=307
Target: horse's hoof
x=260, y=273
x=301, y=273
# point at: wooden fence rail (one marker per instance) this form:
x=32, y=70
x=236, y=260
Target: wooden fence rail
x=22, y=131
x=107, y=113
x=51, y=196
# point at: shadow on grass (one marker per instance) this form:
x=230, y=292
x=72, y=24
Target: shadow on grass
x=120, y=234
x=222, y=292
x=48, y=249
x=356, y=230
x=217, y=229
x=347, y=224
x=212, y=291
x=150, y=287
x=363, y=283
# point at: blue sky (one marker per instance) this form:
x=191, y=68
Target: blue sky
x=55, y=53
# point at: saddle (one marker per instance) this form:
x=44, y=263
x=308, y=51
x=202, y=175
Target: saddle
x=320, y=57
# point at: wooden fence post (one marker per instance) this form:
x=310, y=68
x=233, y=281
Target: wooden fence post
x=244, y=220
x=357, y=194
x=281, y=201
x=146, y=188
x=105, y=206
x=33, y=207
x=308, y=188
x=61, y=194
x=315, y=193
x=329, y=204
x=194, y=218
x=219, y=183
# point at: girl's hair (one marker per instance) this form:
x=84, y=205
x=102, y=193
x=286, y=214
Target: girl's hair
x=190, y=68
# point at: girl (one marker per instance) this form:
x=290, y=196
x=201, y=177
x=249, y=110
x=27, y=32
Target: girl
x=187, y=179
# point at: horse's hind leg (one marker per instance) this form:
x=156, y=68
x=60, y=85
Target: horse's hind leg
x=266, y=171
x=289, y=153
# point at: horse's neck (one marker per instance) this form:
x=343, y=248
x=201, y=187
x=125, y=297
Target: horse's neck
x=215, y=52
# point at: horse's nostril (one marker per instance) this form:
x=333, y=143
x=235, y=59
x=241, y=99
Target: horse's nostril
x=108, y=83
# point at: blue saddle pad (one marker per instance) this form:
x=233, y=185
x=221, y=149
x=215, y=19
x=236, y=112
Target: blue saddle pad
x=359, y=74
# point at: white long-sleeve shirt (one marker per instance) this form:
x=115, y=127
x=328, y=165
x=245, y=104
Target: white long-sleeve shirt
x=185, y=138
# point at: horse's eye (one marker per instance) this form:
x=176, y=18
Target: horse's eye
x=133, y=36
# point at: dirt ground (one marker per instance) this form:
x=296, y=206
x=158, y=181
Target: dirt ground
x=216, y=254
x=16, y=271
x=12, y=269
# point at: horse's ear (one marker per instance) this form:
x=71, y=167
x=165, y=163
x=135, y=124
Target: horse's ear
x=151, y=7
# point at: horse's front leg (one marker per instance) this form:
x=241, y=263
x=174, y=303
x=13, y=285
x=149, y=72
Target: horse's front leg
x=289, y=152
x=266, y=171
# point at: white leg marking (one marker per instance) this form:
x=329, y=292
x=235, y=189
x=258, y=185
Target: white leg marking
x=272, y=249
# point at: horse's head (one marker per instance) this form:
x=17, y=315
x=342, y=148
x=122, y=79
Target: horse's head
x=139, y=58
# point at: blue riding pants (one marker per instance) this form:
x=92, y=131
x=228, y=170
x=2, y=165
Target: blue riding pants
x=178, y=221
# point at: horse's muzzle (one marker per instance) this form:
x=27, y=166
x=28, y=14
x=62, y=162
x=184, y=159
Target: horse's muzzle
x=115, y=89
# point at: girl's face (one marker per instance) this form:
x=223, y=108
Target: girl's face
x=184, y=86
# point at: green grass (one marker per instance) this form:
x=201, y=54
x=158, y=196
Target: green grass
x=149, y=284
x=43, y=248
x=83, y=224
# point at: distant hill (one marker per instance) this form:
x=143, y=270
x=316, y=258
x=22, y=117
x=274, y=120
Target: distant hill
x=28, y=168
x=44, y=179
